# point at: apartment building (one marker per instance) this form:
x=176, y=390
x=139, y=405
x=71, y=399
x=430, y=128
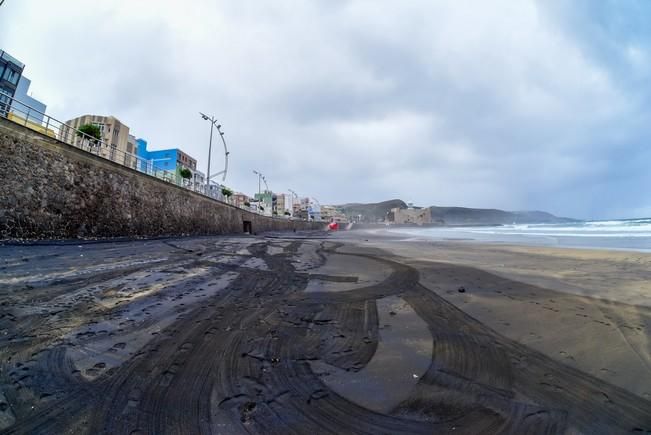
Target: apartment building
x=11, y=69
x=114, y=134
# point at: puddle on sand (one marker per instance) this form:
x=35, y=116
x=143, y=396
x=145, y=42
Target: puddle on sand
x=403, y=355
x=368, y=272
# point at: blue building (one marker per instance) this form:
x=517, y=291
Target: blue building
x=23, y=97
x=10, y=72
x=172, y=160
x=14, y=84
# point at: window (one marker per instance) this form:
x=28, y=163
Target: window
x=5, y=102
x=101, y=128
x=11, y=76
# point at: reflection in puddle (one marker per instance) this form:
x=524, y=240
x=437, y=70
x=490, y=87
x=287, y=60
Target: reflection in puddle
x=403, y=355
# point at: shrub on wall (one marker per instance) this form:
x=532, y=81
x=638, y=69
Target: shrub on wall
x=89, y=131
x=226, y=192
x=185, y=173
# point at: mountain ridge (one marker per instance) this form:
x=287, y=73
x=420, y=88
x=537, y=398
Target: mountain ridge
x=377, y=211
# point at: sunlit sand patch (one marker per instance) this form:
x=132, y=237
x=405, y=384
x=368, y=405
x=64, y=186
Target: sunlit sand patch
x=274, y=250
x=44, y=279
x=137, y=285
x=255, y=263
x=227, y=259
x=403, y=355
x=117, y=339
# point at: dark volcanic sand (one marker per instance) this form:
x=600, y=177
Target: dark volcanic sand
x=219, y=335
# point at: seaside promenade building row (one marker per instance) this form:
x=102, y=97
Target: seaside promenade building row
x=18, y=105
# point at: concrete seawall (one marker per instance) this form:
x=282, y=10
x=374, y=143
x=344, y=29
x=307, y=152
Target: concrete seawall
x=51, y=190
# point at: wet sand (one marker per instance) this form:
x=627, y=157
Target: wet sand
x=590, y=309
x=353, y=333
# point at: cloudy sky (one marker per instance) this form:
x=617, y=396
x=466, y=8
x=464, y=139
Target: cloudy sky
x=508, y=104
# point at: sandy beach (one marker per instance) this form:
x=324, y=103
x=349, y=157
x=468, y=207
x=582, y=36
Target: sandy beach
x=587, y=308
x=356, y=332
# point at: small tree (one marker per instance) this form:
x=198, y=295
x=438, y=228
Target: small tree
x=185, y=173
x=227, y=192
x=91, y=130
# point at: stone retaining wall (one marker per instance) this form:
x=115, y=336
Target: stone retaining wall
x=51, y=190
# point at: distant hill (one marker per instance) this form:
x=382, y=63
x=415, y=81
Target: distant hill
x=373, y=212
x=483, y=216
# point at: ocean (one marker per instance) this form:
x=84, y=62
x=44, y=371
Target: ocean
x=622, y=234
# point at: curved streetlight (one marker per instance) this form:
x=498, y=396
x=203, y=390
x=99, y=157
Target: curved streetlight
x=260, y=178
x=298, y=201
x=213, y=123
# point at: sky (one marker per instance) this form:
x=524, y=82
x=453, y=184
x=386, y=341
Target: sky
x=518, y=105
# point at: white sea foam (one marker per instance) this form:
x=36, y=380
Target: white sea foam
x=617, y=234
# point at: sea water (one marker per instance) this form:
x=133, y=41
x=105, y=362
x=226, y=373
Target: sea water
x=626, y=234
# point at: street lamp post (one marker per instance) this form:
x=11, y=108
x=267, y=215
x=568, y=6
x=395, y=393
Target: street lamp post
x=260, y=177
x=213, y=124
x=226, y=153
x=294, y=196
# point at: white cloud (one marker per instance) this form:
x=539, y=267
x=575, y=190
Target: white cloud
x=457, y=103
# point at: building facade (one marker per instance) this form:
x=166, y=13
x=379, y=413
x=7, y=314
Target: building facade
x=241, y=200
x=283, y=204
x=198, y=181
x=169, y=162
x=266, y=202
x=414, y=216
x=11, y=70
x=330, y=213
x=131, y=158
x=25, y=106
x=300, y=205
x=113, y=133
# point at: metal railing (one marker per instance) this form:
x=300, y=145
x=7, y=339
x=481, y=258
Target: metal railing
x=23, y=114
